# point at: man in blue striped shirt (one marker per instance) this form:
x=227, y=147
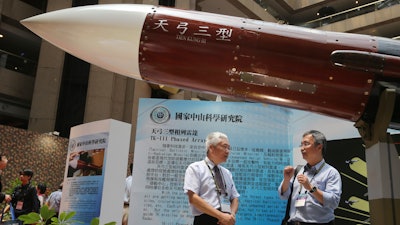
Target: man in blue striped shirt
x=316, y=188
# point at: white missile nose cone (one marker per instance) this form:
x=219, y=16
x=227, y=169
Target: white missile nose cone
x=106, y=35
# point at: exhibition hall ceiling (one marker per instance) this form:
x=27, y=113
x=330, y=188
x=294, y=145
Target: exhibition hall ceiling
x=299, y=11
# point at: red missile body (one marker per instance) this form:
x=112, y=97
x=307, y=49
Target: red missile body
x=336, y=74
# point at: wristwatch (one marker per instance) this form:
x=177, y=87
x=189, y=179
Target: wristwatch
x=314, y=189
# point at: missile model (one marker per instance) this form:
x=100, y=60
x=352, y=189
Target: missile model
x=335, y=74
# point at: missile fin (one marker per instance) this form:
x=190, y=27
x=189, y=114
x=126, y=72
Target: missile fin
x=386, y=65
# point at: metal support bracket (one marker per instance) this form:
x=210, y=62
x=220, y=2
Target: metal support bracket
x=376, y=132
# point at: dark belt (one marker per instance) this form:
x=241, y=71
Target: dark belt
x=304, y=223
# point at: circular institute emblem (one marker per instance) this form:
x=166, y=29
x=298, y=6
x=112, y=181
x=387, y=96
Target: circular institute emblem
x=160, y=114
x=72, y=145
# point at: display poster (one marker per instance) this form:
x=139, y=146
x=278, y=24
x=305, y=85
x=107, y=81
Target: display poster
x=86, y=172
x=171, y=134
x=84, y=180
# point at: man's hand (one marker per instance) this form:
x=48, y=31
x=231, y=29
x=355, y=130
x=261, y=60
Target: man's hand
x=288, y=172
x=7, y=198
x=227, y=219
x=303, y=180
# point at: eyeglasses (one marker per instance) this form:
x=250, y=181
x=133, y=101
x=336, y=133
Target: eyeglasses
x=225, y=146
x=305, y=144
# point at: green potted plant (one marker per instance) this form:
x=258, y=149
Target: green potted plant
x=48, y=214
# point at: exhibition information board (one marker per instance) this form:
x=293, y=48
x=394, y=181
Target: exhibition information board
x=171, y=134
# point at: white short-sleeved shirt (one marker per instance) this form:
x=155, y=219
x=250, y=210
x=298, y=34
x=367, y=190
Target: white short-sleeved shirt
x=199, y=179
x=128, y=185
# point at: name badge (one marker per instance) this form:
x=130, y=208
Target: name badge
x=301, y=200
x=19, y=205
x=225, y=204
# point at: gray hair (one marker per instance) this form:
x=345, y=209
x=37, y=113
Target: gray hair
x=214, y=138
x=319, y=138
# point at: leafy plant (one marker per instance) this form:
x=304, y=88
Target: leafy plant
x=48, y=214
x=96, y=221
x=14, y=183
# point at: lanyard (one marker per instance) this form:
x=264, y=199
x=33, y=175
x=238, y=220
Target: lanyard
x=217, y=188
x=301, y=186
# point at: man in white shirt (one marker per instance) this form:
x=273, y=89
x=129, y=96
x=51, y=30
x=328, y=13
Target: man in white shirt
x=213, y=201
x=128, y=185
x=54, y=200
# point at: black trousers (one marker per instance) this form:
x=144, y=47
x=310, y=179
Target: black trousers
x=205, y=219
x=303, y=223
